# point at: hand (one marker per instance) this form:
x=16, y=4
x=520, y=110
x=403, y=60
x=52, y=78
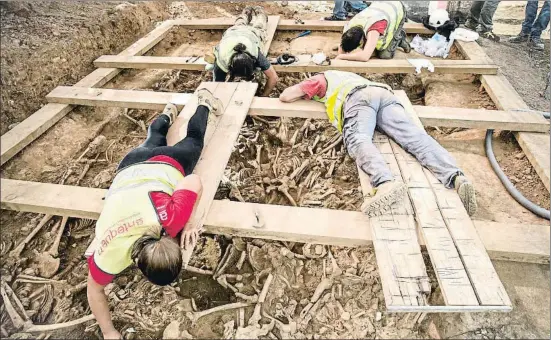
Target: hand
x=114, y=334
x=189, y=237
x=338, y=56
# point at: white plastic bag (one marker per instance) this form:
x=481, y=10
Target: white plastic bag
x=319, y=58
x=420, y=63
x=436, y=46
x=464, y=35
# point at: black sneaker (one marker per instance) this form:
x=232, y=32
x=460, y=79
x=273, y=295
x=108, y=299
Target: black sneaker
x=521, y=38
x=489, y=35
x=536, y=44
x=334, y=18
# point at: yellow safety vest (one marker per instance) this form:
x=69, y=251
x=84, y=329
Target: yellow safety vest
x=128, y=212
x=391, y=11
x=339, y=85
x=234, y=35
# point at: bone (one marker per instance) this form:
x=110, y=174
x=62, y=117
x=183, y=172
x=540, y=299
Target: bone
x=224, y=283
x=241, y=260
x=229, y=329
x=293, y=139
x=17, y=251
x=199, y=271
x=194, y=316
x=298, y=171
x=331, y=169
x=94, y=145
x=332, y=145
x=16, y=319
x=53, y=327
x=284, y=189
x=327, y=193
x=248, y=298
x=54, y=250
x=223, y=264
x=258, y=155
x=255, y=318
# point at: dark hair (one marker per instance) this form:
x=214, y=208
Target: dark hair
x=242, y=63
x=159, y=259
x=352, y=39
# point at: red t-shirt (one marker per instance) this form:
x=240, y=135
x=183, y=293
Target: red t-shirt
x=379, y=26
x=173, y=212
x=314, y=86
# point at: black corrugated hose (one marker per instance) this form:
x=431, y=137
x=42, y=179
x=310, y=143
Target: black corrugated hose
x=534, y=208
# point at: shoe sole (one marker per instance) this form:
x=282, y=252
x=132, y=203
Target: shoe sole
x=467, y=195
x=171, y=111
x=383, y=204
x=217, y=107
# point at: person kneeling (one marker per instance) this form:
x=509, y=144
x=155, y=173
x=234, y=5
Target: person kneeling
x=356, y=107
x=379, y=29
x=239, y=52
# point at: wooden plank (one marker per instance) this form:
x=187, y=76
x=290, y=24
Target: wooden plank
x=35, y=125
x=289, y=25
x=481, y=119
x=448, y=267
x=536, y=146
x=304, y=64
x=217, y=152
x=504, y=241
x=472, y=51
x=429, y=115
x=272, y=27
x=487, y=285
x=116, y=98
x=401, y=267
x=449, y=309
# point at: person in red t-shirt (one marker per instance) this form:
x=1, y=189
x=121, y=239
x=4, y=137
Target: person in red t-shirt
x=379, y=29
x=147, y=207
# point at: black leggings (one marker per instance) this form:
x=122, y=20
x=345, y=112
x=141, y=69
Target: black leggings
x=186, y=152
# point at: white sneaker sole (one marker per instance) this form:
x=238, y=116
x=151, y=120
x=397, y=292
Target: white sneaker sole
x=383, y=202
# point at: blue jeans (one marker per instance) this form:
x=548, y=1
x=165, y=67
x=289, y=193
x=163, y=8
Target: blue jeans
x=534, y=26
x=341, y=13
x=376, y=108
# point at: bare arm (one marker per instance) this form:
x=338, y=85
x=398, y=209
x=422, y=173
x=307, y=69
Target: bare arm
x=190, y=234
x=291, y=94
x=365, y=54
x=100, y=309
x=271, y=82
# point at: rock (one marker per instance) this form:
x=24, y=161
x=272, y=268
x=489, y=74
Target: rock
x=11, y=126
x=56, y=59
x=378, y=316
x=56, y=33
x=527, y=171
x=519, y=155
x=345, y=316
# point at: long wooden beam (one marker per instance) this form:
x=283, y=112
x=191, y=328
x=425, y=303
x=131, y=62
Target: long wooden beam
x=482, y=275
x=304, y=64
x=430, y=116
x=503, y=241
x=289, y=25
x=28, y=130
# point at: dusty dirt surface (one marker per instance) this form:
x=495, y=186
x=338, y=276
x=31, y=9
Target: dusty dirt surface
x=46, y=44
x=312, y=291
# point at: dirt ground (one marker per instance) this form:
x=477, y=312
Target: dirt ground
x=266, y=155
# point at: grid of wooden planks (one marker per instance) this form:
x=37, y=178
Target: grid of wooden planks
x=463, y=268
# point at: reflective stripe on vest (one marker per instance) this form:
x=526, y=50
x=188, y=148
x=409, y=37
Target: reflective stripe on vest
x=391, y=11
x=234, y=35
x=339, y=85
x=128, y=212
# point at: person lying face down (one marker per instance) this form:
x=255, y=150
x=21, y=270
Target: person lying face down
x=147, y=208
x=356, y=107
x=239, y=52
x=378, y=28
